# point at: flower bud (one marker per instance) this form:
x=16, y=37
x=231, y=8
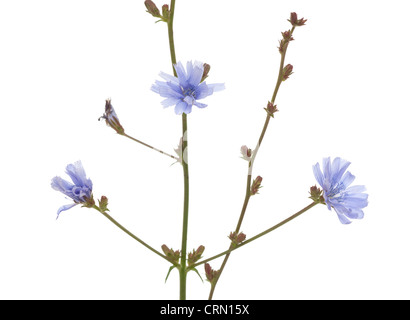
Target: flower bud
x=211, y=274
x=152, y=8
x=195, y=255
x=271, y=109
x=111, y=118
x=256, y=185
x=207, y=67
x=103, y=204
x=246, y=153
x=165, y=12
x=287, y=71
x=295, y=21
x=172, y=255
x=237, y=238
x=316, y=194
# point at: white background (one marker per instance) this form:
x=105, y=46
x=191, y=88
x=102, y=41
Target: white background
x=348, y=97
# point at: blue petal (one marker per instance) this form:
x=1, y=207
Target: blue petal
x=59, y=184
x=202, y=91
x=215, y=87
x=318, y=174
x=168, y=102
x=167, y=89
x=347, y=179
x=188, y=109
x=339, y=167
x=180, y=107
x=77, y=174
x=182, y=76
x=65, y=207
x=195, y=76
x=200, y=105
x=168, y=77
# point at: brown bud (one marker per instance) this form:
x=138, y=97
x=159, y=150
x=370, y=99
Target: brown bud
x=287, y=71
x=152, y=8
x=195, y=255
x=207, y=67
x=295, y=21
x=172, y=255
x=237, y=238
x=316, y=194
x=211, y=274
x=103, y=203
x=271, y=109
x=256, y=185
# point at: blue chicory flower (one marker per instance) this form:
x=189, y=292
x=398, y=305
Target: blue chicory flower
x=348, y=202
x=184, y=90
x=80, y=190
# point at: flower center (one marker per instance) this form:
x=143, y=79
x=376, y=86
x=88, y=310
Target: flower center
x=336, y=191
x=189, y=92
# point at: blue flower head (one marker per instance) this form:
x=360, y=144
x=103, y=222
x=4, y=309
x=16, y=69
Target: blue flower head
x=348, y=201
x=184, y=90
x=80, y=190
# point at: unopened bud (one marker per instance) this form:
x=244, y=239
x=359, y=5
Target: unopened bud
x=165, y=12
x=152, y=8
x=295, y=21
x=207, y=67
x=195, y=255
x=111, y=118
x=316, y=194
x=271, y=109
x=287, y=71
x=211, y=274
x=256, y=185
x=172, y=255
x=103, y=204
x=246, y=153
x=237, y=238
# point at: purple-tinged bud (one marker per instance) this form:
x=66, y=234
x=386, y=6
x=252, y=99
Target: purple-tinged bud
x=165, y=12
x=103, y=204
x=316, y=194
x=237, y=238
x=246, y=153
x=195, y=255
x=111, y=118
x=172, y=255
x=256, y=185
x=287, y=35
x=152, y=9
x=287, y=71
x=211, y=274
x=271, y=109
x=207, y=67
x=295, y=21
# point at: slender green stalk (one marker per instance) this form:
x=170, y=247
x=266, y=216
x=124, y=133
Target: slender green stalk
x=232, y=248
x=183, y=268
x=105, y=214
x=147, y=145
x=251, y=162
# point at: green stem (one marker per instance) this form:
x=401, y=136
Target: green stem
x=183, y=268
x=105, y=214
x=147, y=145
x=251, y=162
x=171, y=36
x=232, y=248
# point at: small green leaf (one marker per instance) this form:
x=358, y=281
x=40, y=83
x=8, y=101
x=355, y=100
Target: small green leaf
x=169, y=271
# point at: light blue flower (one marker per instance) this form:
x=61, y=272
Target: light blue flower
x=348, y=201
x=184, y=90
x=80, y=190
